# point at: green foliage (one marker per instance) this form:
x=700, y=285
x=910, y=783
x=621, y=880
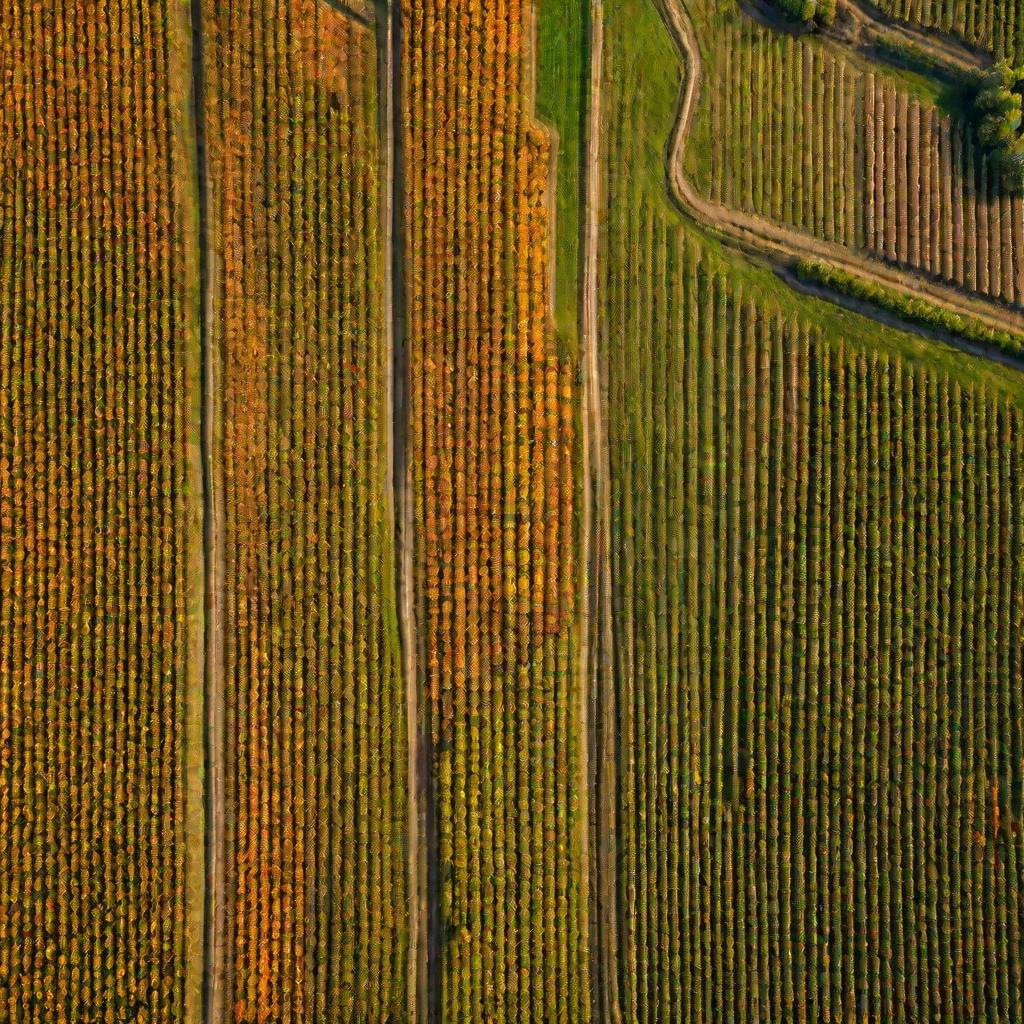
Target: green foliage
x=802, y=9
x=561, y=72
x=959, y=86
x=822, y=11
x=826, y=13
x=1000, y=106
x=915, y=311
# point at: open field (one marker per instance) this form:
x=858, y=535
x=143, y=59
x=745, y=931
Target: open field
x=100, y=547
x=815, y=656
x=510, y=511
x=311, y=915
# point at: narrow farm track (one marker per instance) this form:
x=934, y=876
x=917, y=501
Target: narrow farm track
x=760, y=237
x=399, y=484
x=597, y=553
x=213, y=554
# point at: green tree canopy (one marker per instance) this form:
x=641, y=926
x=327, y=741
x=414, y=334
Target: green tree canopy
x=1000, y=107
x=821, y=11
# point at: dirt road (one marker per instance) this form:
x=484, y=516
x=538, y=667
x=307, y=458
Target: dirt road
x=214, y=898
x=598, y=549
x=386, y=18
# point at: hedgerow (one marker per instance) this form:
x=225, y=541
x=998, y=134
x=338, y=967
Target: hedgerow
x=916, y=311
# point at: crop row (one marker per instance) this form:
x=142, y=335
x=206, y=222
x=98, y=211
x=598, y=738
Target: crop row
x=818, y=598
x=314, y=742
x=996, y=25
x=492, y=412
x=934, y=201
x=784, y=118
x=808, y=139
x=98, y=538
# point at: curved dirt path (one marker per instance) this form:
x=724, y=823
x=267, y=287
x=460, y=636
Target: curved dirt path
x=861, y=24
x=782, y=245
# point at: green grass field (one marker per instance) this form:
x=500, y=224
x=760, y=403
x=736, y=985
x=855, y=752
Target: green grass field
x=562, y=62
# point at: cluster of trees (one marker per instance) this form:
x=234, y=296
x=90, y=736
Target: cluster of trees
x=1000, y=106
x=821, y=11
